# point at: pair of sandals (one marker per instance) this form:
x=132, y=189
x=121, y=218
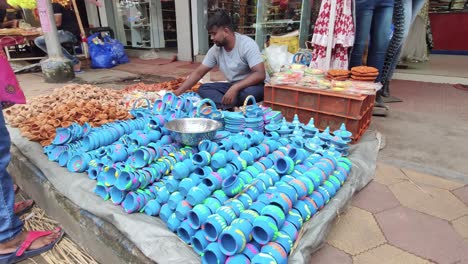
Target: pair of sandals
x=22, y=251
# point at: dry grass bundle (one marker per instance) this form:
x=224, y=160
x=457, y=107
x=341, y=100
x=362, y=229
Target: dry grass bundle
x=66, y=251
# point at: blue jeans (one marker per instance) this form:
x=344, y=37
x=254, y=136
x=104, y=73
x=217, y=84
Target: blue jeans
x=64, y=37
x=373, y=17
x=10, y=225
x=215, y=91
x=411, y=9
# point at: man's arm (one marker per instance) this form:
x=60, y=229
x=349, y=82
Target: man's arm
x=58, y=11
x=257, y=76
x=58, y=19
x=193, y=79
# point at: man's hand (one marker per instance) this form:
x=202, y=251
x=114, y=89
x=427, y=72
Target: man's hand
x=178, y=92
x=230, y=96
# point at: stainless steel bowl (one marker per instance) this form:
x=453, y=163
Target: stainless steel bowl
x=190, y=131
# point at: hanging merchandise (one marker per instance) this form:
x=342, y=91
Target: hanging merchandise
x=342, y=35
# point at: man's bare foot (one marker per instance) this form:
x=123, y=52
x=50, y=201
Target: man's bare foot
x=77, y=67
x=12, y=245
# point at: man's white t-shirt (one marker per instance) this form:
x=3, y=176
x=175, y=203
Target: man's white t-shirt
x=237, y=63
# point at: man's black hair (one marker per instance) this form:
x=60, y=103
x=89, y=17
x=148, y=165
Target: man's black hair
x=220, y=19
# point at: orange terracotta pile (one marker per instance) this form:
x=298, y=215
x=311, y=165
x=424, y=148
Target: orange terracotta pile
x=364, y=73
x=169, y=86
x=338, y=75
x=73, y=103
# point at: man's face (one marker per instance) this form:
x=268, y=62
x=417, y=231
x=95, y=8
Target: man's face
x=218, y=35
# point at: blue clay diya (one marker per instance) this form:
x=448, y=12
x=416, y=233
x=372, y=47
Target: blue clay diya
x=284, y=128
x=343, y=133
x=325, y=135
x=310, y=128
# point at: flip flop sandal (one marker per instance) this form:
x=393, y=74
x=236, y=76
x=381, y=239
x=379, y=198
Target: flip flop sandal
x=22, y=251
x=26, y=208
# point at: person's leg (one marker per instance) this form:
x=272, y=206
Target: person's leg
x=40, y=43
x=215, y=91
x=63, y=37
x=380, y=36
x=364, y=10
x=411, y=9
x=67, y=37
x=256, y=91
x=394, y=46
x=10, y=224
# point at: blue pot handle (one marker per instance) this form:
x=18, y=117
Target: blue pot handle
x=148, y=102
x=205, y=101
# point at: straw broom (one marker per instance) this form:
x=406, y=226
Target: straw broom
x=66, y=251
x=80, y=24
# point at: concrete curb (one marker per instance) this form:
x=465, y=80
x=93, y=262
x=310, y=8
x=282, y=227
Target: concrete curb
x=97, y=236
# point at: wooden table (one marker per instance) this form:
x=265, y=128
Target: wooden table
x=15, y=37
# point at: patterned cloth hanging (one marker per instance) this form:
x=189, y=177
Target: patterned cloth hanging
x=343, y=36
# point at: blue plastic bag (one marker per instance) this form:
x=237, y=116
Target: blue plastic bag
x=106, y=53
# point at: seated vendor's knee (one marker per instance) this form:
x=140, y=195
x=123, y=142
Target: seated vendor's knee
x=39, y=41
x=204, y=90
x=256, y=91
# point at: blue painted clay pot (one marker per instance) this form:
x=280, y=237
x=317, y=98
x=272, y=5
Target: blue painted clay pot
x=117, y=196
x=251, y=251
x=275, y=213
x=249, y=215
x=264, y=230
x=276, y=251
x=232, y=185
x=212, y=203
x=173, y=223
x=295, y=218
x=185, y=232
x=263, y=258
x=174, y=199
x=102, y=191
x=285, y=241
x=213, y=227
x=182, y=210
x=199, y=242
x=213, y=254
x=284, y=165
x=198, y=215
x=152, y=208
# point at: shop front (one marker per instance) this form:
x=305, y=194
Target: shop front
x=260, y=19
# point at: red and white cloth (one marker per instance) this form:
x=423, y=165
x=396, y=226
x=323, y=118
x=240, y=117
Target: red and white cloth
x=343, y=35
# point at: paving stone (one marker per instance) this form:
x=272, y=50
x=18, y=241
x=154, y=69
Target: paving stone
x=433, y=181
x=375, y=197
x=387, y=254
x=423, y=235
x=462, y=194
x=328, y=254
x=429, y=200
x=461, y=226
x=355, y=231
x=388, y=175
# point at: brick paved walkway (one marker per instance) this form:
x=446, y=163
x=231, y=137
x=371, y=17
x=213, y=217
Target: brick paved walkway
x=401, y=217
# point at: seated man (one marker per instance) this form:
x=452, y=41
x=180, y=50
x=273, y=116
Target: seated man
x=238, y=57
x=68, y=32
x=7, y=21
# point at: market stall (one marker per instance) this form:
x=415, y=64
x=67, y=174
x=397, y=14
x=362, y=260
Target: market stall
x=19, y=41
x=259, y=189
